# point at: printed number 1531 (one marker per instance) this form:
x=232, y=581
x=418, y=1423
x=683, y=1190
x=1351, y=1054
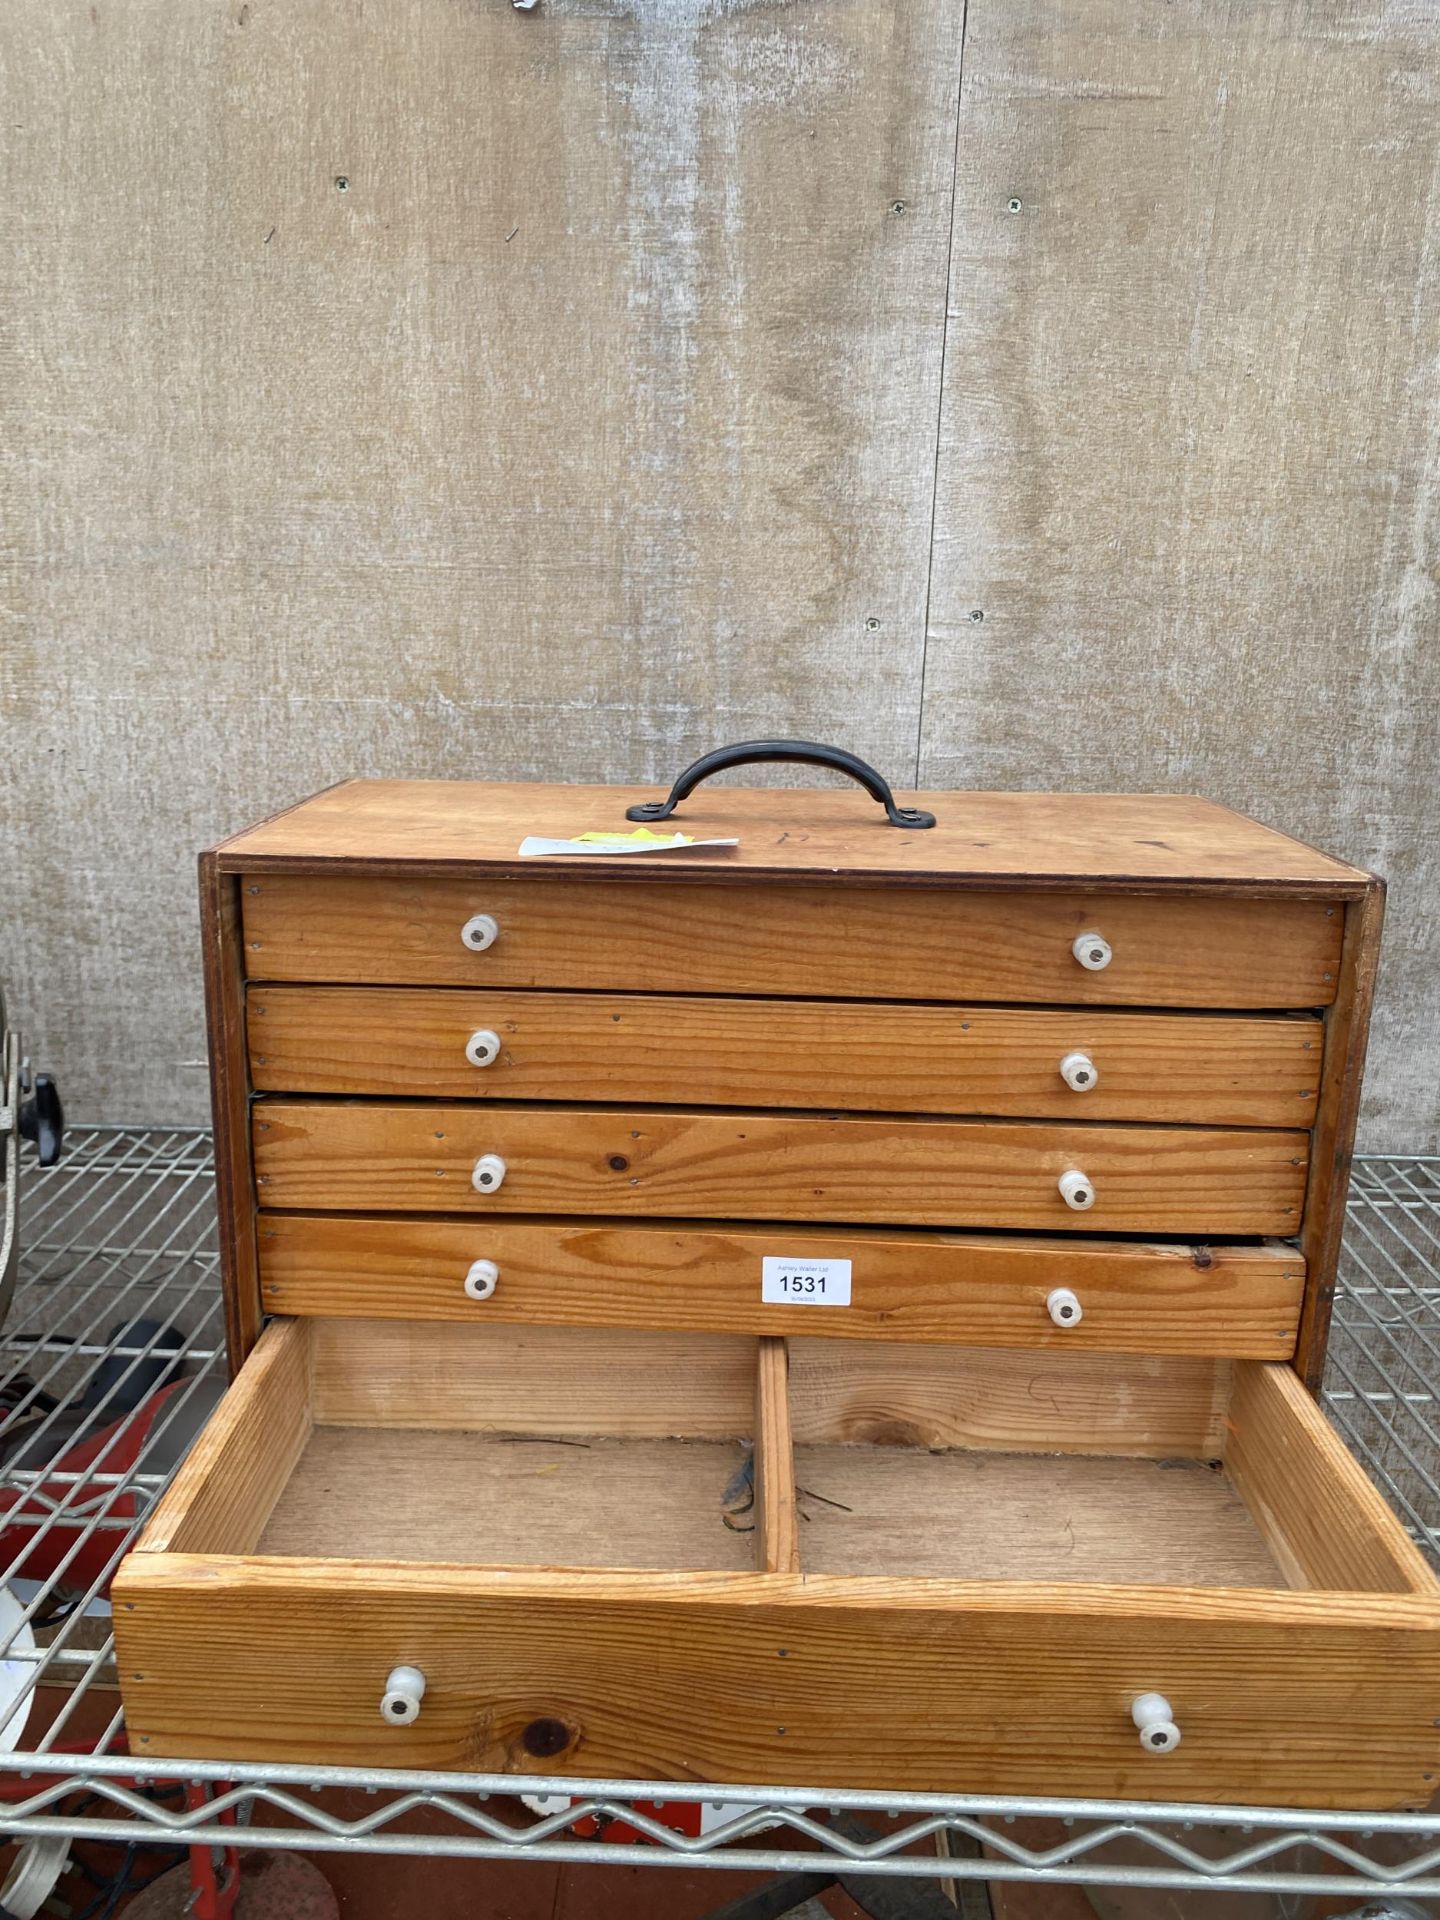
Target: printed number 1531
x=810, y=1283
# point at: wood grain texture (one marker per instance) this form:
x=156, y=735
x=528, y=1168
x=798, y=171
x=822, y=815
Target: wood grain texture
x=777, y=1544
x=488, y=1500
x=1211, y=1070
x=1025, y=838
x=1188, y=467
x=220, y=1499
x=758, y=1166
x=886, y=1394
x=1314, y=1697
x=1301, y=1698
x=972, y=1288
x=223, y=963
x=546, y=1380
x=1327, y=1525
x=595, y=417
x=1013, y=1516
x=870, y=943
x=1347, y=1029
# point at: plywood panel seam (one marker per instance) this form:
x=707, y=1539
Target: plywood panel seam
x=940, y=399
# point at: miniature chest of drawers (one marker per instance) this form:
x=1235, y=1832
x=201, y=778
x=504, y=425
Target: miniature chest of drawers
x=839, y=1307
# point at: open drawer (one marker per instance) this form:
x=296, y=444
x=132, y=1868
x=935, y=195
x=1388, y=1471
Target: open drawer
x=961, y=1570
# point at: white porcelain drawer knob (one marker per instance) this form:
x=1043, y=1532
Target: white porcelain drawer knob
x=480, y=1280
x=1077, y=1070
x=1158, y=1731
x=1077, y=1190
x=482, y=1049
x=479, y=932
x=489, y=1173
x=1092, y=950
x=404, y=1690
x=1064, y=1307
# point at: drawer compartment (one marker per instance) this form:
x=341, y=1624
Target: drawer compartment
x=981, y=1290
x=428, y=1157
x=849, y=943
x=1057, y=1535
x=1243, y=1070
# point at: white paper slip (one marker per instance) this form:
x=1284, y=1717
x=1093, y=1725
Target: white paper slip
x=534, y=847
x=805, y=1283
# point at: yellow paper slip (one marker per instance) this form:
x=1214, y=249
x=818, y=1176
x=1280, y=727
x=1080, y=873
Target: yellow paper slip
x=642, y=840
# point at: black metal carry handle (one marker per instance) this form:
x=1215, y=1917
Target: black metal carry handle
x=42, y=1118
x=748, y=753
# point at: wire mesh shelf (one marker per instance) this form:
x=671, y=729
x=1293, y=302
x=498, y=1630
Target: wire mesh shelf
x=119, y=1247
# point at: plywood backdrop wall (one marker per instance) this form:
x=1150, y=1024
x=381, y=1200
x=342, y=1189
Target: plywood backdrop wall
x=1044, y=394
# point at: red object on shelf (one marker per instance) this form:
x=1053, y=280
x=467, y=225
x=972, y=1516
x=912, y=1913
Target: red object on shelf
x=113, y=1449
x=682, y=1816
x=215, y=1891
x=691, y=1817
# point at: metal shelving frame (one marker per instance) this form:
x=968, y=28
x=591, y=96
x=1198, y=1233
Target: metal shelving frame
x=124, y=1229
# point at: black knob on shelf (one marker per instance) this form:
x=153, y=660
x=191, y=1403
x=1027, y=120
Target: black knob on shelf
x=42, y=1119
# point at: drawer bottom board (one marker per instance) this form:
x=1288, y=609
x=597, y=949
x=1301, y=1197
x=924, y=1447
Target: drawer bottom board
x=1014, y=1516
x=386, y=1493
x=380, y=1493
x=566, y=1559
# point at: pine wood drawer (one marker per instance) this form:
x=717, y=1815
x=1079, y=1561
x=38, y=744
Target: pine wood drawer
x=854, y=942
x=1239, y=1070
x=975, y=1289
x=364, y=1155
x=696, y=1548
x=1002, y=1550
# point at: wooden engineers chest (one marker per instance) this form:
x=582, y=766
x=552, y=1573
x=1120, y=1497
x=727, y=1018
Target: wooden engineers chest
x=986, y=1180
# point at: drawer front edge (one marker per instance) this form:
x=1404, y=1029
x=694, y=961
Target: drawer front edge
x=498, y=1158
x=1319, y=1700
x=977, y=1290
x=851, y=943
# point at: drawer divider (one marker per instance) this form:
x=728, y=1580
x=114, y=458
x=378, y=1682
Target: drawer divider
x=777, y=1544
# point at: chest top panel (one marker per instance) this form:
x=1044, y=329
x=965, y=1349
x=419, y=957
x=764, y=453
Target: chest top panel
x=1145, y=842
